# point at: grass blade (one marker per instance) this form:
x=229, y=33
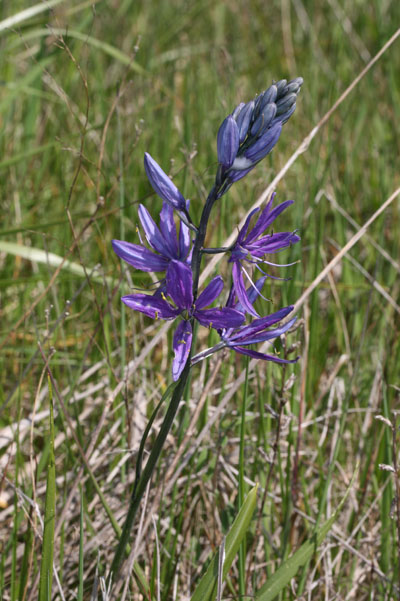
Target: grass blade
x=80, y=585
x=101, y=45
x=28, y=13
x=207, y=587
x=37, y=255
x=46, y=568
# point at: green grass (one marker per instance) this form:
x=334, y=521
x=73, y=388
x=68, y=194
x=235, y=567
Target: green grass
x=85, y=89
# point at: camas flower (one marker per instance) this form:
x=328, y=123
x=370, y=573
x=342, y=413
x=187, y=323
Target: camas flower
x=260, y=330
x=179, y=287
x=166, y=244
x=250, y=247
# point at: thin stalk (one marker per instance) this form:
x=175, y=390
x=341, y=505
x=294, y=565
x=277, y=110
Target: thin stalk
x=140, y=488
x=241, y=488
x=122, y=359
x=199, y=241
x=397, y=497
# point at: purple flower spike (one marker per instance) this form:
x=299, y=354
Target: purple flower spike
x=227, y=142
x=163, y=185
x=181, y=344
x=251, y=247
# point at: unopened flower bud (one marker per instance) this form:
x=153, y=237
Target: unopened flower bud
x=228, y=142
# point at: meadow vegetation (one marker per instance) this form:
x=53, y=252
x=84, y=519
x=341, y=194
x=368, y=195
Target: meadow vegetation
x=85, y=89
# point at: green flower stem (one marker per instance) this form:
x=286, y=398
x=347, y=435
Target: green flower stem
x=145, y=477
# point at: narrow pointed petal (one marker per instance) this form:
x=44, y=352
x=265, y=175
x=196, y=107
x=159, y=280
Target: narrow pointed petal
x=163, y=185
x=219, y=318
x=180, y=284
x=227, y=142
x=245, y=227
x=264, y=144
x=231, y=302
x=267, y=335
x=272, y=243
x=181, y=344
x=152, y=233
x=262, y=356
x=139, y=256
x=150, y=306
x=260, y=324
x=253, y=292
x=266, y=218
x=185, y=240
x=210, y=293
x=168, y=229
x=240, y=289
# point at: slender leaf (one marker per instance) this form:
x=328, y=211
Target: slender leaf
x=80, y=585
x=207, y=587
x=46, y=568
x=109, y=49
x=28, y=13
x=37, y=255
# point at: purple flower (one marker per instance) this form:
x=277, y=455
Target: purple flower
x=179, y=287
x=163, y=185
x=227, y=142
x=166, y=245
x=250, y=247
x=260, y=331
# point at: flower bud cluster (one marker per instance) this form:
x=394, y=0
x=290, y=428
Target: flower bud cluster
x=252, y=130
